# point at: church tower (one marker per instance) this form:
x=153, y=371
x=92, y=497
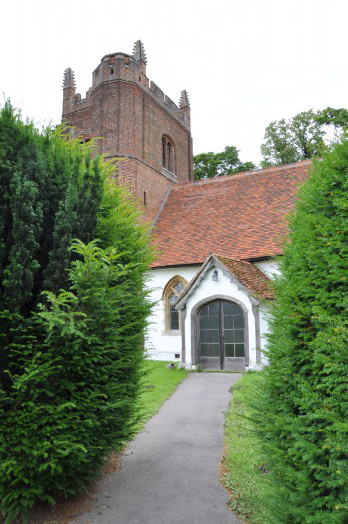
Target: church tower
x=136, y=121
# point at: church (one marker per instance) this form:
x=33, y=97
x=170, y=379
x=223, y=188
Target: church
x=216, y=239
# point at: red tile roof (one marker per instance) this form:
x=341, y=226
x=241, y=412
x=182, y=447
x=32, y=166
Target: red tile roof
x=250, y=276
x=240, y=216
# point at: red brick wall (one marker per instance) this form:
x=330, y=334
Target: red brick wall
x=131, y=119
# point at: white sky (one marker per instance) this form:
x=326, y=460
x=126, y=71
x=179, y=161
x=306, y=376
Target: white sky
x=244, y=63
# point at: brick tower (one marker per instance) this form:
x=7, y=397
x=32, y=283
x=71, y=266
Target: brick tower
x=137, y=122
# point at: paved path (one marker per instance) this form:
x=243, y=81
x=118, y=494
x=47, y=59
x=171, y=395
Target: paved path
x=170, y=472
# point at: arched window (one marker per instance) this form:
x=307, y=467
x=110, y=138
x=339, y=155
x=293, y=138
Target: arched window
x=168, y=154
x=169, y=150
x=171, y=293
x=163, y=153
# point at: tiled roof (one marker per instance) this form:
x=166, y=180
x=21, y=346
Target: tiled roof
x=246, y=273
x=249, y=275
x=240, y=216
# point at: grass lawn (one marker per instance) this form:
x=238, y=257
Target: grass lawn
x=160, y=382
x=243, y=471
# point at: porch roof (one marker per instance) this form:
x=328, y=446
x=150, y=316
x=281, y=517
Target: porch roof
x=248, y=276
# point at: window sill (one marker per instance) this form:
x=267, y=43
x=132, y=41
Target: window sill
x=172, y=333
x=169, y=174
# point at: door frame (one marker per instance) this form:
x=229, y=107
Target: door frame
x=195, y=325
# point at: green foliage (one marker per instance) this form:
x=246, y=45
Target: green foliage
x=288, y=141
x=245, y=474
x=75, y=397
x=51, y=193
x=211, y=165
x=338, y=118
x=119, y=225
x=303, y=415
x=69, y=375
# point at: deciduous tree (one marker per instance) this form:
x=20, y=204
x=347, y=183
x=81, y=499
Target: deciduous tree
x=211, y=165
x=287, y=141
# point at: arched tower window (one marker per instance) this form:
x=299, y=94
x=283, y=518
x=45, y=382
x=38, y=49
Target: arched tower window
x=169, y=150
x=163, y=152
x=171, y=293
x=168, y=154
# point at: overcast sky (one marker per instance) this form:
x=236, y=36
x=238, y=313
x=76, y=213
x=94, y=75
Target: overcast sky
x=244, y=63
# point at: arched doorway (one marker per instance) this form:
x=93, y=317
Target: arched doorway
x=222, y=335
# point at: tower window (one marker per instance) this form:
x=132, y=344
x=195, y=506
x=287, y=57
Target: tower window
x=163, y=153
x=111, y=71
x=168, y=154
x=145, y=198
x=169, y=150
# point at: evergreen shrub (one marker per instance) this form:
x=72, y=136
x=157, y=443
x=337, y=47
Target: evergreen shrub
x=71, y=356
x=303, y=407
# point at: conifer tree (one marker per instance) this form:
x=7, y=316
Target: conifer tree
x=51, y=193
x=70, y=368
x=303, y=412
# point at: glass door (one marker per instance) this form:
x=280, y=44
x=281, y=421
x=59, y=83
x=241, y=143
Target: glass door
x=233, y=327
x=221, y=336
x=210, y=335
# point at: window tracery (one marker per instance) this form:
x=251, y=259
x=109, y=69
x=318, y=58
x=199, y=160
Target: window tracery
x=171, y=293
x=168, y=154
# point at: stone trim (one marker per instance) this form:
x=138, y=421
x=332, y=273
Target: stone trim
x=169, y=174
x=167, y=291
x=172, y=178
x=183, y=314
x=172, y=333
x=211, y=262
x=160, y=210
x=256, y=313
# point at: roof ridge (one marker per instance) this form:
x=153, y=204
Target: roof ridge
x=243, y=174
x=234, y=259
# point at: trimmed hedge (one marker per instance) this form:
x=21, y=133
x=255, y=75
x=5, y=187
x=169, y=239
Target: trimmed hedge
x=71, y=366
x=303, y=412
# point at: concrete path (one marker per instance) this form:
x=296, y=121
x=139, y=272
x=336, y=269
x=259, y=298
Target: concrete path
x=170, y=472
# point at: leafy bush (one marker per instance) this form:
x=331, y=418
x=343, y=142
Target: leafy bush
x=303, y=415
x=75, y=398
x=51, y=191
x=69, y=368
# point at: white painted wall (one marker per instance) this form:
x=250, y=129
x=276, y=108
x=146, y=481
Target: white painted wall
x=158, y=344
x=269, y=267
x=161, y=346
x=223, y=286
x=264, y=329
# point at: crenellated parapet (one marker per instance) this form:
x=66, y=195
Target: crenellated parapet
x=121, y=67
x=135, y=122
